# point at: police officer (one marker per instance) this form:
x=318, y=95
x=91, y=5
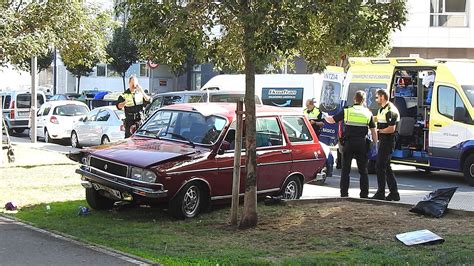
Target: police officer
x=387, y=119
x=357, y=119
x=132, y=100
x=314, y=116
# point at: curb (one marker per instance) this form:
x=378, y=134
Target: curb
x=369, y=201
x=74, y=240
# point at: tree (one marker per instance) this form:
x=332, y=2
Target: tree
x=43, y=62
x=122, y=51
x=88, y=49
x=254, y=34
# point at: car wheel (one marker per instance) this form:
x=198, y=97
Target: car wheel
x=469, y=169
x=188, y=202
x=105, y=140
x=47, y=138
x=97, y=201
x=19, y=130
x=75, y=140
x=292, y=189
x=371, y=170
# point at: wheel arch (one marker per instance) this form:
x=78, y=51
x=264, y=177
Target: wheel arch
x=202, y=182
x=465, y=154
x=298, y=175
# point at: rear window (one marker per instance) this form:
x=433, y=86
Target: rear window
x=6, y=103
x=70, y=110
x=24, y=100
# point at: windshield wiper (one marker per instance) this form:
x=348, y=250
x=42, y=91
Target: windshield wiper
x=181, y=137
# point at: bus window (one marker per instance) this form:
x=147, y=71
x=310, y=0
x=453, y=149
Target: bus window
x=330, y=95
x=370, y=89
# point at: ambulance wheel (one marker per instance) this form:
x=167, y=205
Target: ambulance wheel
x=469, y=169
x=371, y=167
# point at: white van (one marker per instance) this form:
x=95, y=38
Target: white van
x=283, y=90
x=16, y=108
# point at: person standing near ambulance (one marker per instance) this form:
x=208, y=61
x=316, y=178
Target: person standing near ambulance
x=357, y=120
x=387, y=120
x=132, y=101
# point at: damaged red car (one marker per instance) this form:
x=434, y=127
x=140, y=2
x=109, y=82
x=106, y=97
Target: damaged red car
x=182, y=156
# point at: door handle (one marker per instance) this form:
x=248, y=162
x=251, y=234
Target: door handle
x=285, y=151
x=438, y=125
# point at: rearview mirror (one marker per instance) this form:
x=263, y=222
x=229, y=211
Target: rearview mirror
x=460, y=114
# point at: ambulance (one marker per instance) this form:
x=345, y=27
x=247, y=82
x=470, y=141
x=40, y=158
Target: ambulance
x=436, y=128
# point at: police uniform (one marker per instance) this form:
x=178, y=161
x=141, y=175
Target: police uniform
x=315, y=115
x=386, y=116
x=133, y=108
x=357, y=119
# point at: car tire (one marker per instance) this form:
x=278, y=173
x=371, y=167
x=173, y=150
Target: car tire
x=47, y=137
x=19, y=130
x=105, y=140
x=371, y=169
x=292, y=189
x=188, y=202
x=97, y=201
x=468, y=170
x=75, y=140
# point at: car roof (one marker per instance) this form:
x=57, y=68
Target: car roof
x=108, y=107
x=179, y=93
x=228, y=109
x=65, y=102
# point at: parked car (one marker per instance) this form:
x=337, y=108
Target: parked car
x=56, y=119
x=168, y=98
x=183, y=156
x=101, y=125
x=65, y=96
x=16, y=109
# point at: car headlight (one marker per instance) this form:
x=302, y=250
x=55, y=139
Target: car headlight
x=142, y=175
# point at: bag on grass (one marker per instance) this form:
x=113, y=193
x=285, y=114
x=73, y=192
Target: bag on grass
x=435, y=203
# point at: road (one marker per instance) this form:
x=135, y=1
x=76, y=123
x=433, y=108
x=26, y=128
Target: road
x=413, y=184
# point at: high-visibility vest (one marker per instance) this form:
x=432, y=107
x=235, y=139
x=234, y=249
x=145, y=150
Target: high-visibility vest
x=313, y=114
x=357, y=115
x=382, y=113
x=129, y=99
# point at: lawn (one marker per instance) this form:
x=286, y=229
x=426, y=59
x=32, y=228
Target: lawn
x=325, y=233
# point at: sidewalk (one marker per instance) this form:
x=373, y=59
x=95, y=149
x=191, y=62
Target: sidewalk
x=21, y=244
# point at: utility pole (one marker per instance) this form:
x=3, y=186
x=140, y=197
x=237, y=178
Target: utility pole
x=55, y=73
x=33, y=100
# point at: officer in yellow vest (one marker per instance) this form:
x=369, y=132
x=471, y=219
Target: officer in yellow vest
x=357, y=120
x=387, y=119
x=314, y=116
x=132, y=101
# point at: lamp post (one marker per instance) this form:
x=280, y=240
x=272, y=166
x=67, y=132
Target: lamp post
x=33, y=99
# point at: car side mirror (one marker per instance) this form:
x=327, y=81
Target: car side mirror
x=225, y=146
x=83, y=119
x=460, y=114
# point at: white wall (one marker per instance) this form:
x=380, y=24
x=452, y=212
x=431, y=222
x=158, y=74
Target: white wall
x=418, y=33
x=109, y=83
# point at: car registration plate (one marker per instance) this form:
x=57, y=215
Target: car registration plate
x=113, y=192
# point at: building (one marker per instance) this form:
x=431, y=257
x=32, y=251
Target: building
x=436, y=29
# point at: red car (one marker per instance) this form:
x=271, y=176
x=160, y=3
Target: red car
x=183, y=156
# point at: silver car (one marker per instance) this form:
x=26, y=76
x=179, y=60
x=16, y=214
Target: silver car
x=101, y=125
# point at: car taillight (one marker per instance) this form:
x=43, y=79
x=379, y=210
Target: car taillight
x=53, y=120
x=12, y=112
x=122, y=128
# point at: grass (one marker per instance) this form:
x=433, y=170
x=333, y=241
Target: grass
x=209, y=240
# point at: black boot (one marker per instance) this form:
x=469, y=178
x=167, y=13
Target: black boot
x=378, y=196
x=393, y=197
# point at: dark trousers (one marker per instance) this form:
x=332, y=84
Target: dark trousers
x=128, y=123
x=355, y=148
x=384, y=170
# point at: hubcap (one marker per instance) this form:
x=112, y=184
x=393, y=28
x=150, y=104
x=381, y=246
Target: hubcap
x=471, y=170
x=74, y=140
x=46, y=136
x=291, y=190
x=105, y=140
x=191, y=201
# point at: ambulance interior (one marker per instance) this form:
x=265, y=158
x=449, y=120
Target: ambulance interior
x=411, y=94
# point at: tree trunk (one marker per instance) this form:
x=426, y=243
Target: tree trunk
x=189, y=75
x=123, y=79
x=78, y=84
x=249, y=218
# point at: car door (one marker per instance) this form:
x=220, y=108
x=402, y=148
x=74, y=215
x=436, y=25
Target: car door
x=43, y=115
x=273, y=155
x=99, y=126
x=87, y=129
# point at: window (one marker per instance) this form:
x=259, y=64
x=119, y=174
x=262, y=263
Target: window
x=6, y=104
x=369, y=90
x=155, y=105
x=101, y=70
x=92, y=116
x=448, y=100
x=169, y=100
x=194, y=98
x=46, y=110
x=103, y=116
x=23, y=101
x=469, y=91
x=70, y=110
x=268, y=132
x=330, y=95
x=296, y=129
x=111, y=72
x=144, y=71
x=448, y=13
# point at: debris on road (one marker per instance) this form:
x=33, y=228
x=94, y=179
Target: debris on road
x=435, y=203
x=10, y=206
x=419, y=237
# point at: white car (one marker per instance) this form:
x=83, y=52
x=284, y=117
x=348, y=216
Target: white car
x=56, y=119
x=100, y=126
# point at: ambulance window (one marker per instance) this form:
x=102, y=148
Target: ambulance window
x=370, y=89
x=330, y=95
x=448, y=100
x=469, y=91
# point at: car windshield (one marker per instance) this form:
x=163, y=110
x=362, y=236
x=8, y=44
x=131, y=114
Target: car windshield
x=70, y=110
x=469, y=91
x=183, y=126
x=370, y=89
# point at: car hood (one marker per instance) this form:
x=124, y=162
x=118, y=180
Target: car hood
x=143, y=152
